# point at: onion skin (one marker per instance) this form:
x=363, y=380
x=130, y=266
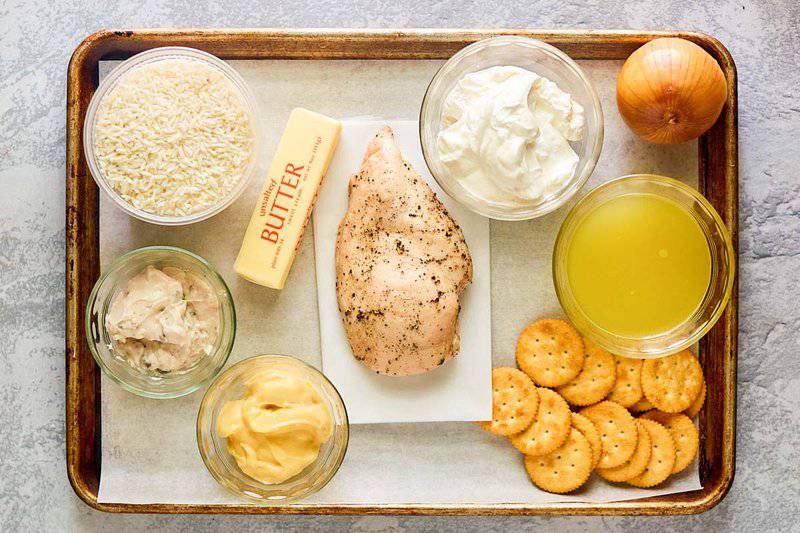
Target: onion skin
x=670, y=91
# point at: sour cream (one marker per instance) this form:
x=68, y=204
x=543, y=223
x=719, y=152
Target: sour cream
x=505, y=135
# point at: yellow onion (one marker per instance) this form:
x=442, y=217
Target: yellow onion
x=670, y=90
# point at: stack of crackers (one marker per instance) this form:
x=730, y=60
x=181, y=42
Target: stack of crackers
x=573, y=408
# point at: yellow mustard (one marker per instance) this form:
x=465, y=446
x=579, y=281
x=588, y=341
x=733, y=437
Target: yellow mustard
x=277, y=428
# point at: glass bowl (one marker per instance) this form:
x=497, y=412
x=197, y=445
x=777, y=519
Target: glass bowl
x=542, y=59
x=721, y=281
x=150, y=56
x=157, y=385
x=230, y=385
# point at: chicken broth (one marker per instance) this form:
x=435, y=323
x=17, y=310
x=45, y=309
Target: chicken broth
x=638, y=265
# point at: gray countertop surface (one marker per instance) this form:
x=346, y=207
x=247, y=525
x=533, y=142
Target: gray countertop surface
x=36, y=40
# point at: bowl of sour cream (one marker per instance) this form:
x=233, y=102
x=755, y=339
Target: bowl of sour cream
x=511, y=127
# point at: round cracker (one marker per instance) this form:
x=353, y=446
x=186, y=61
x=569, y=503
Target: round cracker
x=693, y=409
x=617, y=429
x=550, y=427
x=564, y=469
x=514, y=402
x=628, y=387
x=636, y=464
x=551, y=352
x=595, y=380
x=672, y=383
x=641, y=406
x=684, y=434
x=662, y=456
x=585, y=426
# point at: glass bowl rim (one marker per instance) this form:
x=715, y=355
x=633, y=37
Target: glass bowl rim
x=116, y=265
x=151, y=55
x=573, y=185
x=615, y=346
x=203, y=407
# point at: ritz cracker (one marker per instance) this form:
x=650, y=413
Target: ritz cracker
x=284, y=207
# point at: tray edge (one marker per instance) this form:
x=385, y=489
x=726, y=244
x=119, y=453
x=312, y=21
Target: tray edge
x=93, y=44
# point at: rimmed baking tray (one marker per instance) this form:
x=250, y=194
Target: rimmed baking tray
x=718, y=181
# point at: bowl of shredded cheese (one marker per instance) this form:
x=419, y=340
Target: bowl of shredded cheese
x=171, y=137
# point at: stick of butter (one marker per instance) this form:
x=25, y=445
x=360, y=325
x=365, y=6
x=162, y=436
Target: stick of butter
x=285, y=203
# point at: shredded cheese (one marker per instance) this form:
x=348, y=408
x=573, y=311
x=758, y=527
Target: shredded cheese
x=173, y=137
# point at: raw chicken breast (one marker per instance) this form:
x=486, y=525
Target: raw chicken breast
x=401, y=265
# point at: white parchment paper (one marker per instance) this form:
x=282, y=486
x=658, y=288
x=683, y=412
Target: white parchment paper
x=149, y=453
x=459, y=390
